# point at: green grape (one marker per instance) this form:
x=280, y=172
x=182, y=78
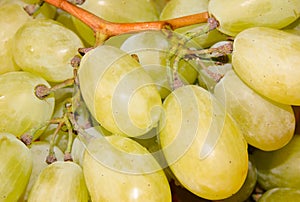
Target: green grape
x=59, y=182
x=118, y=40
x=39, y=152
x=280, y=194
x=151, y=48
x=20, y=109
x=116, y=11
x=48, y=58
x=246, y=190
x=180, y=8
x=235, y=16
x=278, y=168
x=196, y=134
x=293, y=31
x=273, y=72
x=119, y=93
x=15, y=167
x=12, y=17
x=117, y=168
x=159, y=4
x=266, y=125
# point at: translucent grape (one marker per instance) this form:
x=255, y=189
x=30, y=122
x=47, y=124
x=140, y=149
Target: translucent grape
x=12, y=17
x=151, y=48
x=196, y=134
x=60, y=182
x=266, y=124
x=278, y=168
x=20, y=109
x=119, y=93
x=48, y=58
x=123, y=170
x=273, y=72
x=116, y=11
x=15, y=167
x=39, y=151
x=237, y=15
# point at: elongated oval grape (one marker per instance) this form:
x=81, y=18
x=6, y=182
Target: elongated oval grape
x=117, y=168
x=119, y=93
x=266, y=124
x=39, y=151
x=20, y=109
x=267, y=60
x=151, y=48
x=235, y=16
x=196, y=134
x=12, y=17
x=48, y=58
x=15, y=167
x=116, y=11
x=280, y=194
x=60, y=182
x=278, y=168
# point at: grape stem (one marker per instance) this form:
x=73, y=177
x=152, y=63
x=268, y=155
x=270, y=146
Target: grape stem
x=104, y=29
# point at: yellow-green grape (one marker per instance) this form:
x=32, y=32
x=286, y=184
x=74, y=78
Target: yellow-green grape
x=48, y=58
x=151, y=47
x=267, y=60
x=44, y=11
x=280, y=194
x=12, y=17
x=117, y=168
x=278, y=168
x=246, y=190
x=266, y=124
x=20, y=109
x=15, y=167
x=197, y=134
x=159, y=4
x=39, y=152
x=119, y=93
x=118, y=40
x=60, y=182
x=116, y=11
x=235, y=16
x=180, y=8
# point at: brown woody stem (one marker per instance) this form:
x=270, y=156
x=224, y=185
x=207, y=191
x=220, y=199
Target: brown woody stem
x=108, y=29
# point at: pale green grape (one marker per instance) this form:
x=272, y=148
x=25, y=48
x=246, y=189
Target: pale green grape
x=118, y=40
x=151, y=48
x=20, y=109
x=266, y=124
x=119, y=93
x=180, y=8
x=267, y=60
x=278, y=168
x=39, y=152
x=119, y=169
x=203, y=145
x=116, y=11
x=45, y=11
x=15, y=167
x=48, y=58
x=60, y=182
x=280, y=194
x=12, y=17
x=236, y=15
x=159, y=4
